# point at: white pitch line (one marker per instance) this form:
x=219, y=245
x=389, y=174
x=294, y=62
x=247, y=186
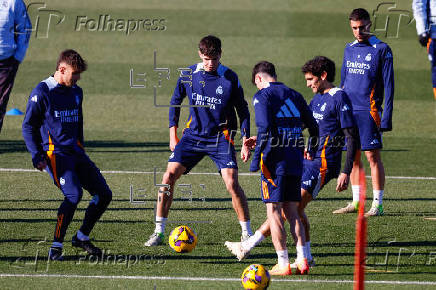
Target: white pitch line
x=207, y=279
x=203, y=173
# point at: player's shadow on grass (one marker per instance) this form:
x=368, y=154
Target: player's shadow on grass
x=60, y=200
x=121, y=209
x=411, y=213
x=40, y=220
x=11, y=146
x=391, y=199
x=402, y=244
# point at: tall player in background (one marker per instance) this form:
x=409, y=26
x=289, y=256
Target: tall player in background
x=53, y=132
x=214, y=92
x=368, y=75
x=424, y=12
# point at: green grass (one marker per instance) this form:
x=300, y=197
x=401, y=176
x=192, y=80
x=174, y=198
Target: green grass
x=124, y=131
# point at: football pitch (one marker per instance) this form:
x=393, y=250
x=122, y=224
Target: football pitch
x=127, y=87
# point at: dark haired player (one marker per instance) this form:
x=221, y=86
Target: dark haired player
x=214, y=92
x=368, y=75
x=333, y=112
x=281, y=114
x=53, y=132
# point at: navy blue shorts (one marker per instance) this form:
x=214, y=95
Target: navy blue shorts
x=73, y=171
x=189, y=151
x=315, y=176
x=281, y=188
x=369, y=132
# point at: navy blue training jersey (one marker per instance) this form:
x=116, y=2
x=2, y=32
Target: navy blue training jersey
x=368, y=74
x=53, y=120
x=280, y=114
x=220, y=93
x=333, y=112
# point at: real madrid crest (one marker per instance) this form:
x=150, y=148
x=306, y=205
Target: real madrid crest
x=368, y=57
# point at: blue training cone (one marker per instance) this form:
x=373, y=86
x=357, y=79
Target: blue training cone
x=14, y=112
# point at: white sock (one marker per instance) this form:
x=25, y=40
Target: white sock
x=246, y=227
x=377, y=197
x=160, y=225
x=57, y=245
x=81, y=236
x=253, y=241
x=300, y=252
x=283, y=258
x=356, y=191
x=308, y=252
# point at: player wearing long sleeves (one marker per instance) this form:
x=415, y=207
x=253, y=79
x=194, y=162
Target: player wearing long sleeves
x=214, y=93
x=333, y=113
x=53, y=133
x=281, y=114
x=367, y=77
x=15, y=30
x=424, y=12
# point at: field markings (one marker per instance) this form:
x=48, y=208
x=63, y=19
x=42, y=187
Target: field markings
x=203, y=173
x=211, y=279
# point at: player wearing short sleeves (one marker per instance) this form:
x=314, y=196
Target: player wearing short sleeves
x=281, y=114
x=53, y=132
x=368, y=77
x=333, y=112
x=214, y=93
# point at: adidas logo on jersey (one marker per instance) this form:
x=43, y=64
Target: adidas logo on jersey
x=34, y=98
x=345, y=108
x=373, y=142
x=255, y=101
x=231, y=163
x=307, y=182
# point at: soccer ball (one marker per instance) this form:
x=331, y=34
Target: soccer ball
x=183, y=239
x=255, y=276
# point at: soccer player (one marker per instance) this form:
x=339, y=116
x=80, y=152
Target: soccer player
x=53, y=132
x=281, y=113
x=424, y=12
x=214, y=92
x=333, y=112
x=368, y=74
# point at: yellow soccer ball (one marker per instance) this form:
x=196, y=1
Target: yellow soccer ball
x=256, y=277
x=183, y=239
